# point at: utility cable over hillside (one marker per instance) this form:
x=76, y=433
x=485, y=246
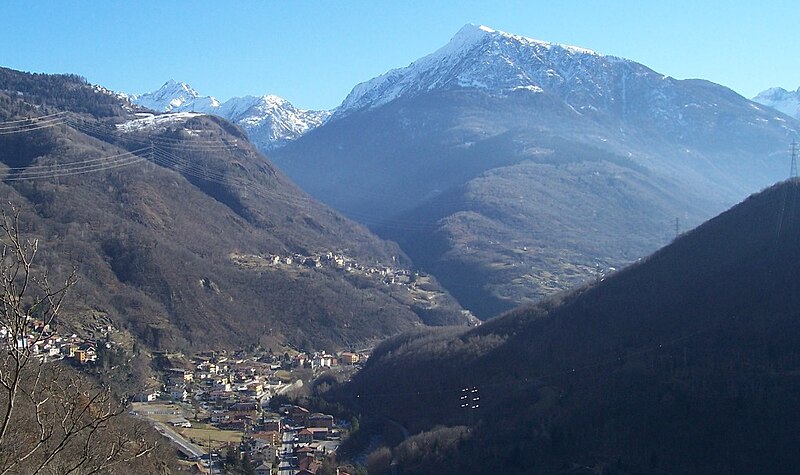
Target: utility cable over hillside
x=165, y=156
x=112, y=134
x=164, y=153
x=34, y=123
x=57, y=170
x=76, y=168
x=185, y=167
x=168, y=145
x=156, y=151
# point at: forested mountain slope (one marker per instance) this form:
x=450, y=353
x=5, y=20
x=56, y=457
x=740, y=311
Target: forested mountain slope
x=685, y=362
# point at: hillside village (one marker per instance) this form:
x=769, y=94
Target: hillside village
x=330, y=260
x=420, y=289
x=44, y=343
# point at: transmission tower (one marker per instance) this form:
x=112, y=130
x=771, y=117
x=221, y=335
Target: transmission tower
x=793, y=169
x=470, y=401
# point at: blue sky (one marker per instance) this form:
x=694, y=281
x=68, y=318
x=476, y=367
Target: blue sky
x=313, y=52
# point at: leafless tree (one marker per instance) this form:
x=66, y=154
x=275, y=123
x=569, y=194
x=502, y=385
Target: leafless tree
x=52, y=418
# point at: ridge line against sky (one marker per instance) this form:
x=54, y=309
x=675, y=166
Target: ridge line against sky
x=313, y=52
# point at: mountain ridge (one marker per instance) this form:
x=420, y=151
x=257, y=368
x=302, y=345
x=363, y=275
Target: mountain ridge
x=511, y=62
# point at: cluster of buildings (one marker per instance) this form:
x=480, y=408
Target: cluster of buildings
x=325, y=360
x=45, y=344
x=231, y=391
x=345, y=263
x=293, y=441
x=306, y=440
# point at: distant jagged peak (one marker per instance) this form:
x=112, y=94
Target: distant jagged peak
x=270, y=120
x=776, y=92
x=176, y=96
x=277, y=100
x=779, y=98
x=234, y=108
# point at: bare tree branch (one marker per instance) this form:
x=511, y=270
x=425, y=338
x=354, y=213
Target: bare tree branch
x=51, y=420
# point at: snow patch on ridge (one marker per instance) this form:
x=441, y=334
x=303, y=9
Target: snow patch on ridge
x=153, y=122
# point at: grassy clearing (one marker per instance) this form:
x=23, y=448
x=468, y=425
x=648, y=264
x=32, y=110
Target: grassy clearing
x=200, y=434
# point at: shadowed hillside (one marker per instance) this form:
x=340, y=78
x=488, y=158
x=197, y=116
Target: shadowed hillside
x=684, y=362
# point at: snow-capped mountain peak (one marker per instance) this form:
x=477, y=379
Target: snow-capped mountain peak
x=269, y=120
x=175, y=96
x=173, y=85
x=477, y=57
x=779, y=98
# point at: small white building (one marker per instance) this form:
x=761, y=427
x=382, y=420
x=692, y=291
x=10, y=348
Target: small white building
x=322, y=360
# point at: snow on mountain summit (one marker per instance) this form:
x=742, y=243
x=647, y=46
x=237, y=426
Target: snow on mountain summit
x=478, y=57
x=270, y=121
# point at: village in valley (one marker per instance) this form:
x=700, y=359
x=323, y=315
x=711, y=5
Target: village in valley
x=221, y=409
x=227, y=412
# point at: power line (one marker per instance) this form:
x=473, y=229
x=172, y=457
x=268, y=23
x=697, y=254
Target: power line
x=56, y=170
x=79, y=162
x=183, y=167
x=164, y=157
x=31, y=127
x=191, y=144
x=80, y=168
x=166, y=142
x=41, y=117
